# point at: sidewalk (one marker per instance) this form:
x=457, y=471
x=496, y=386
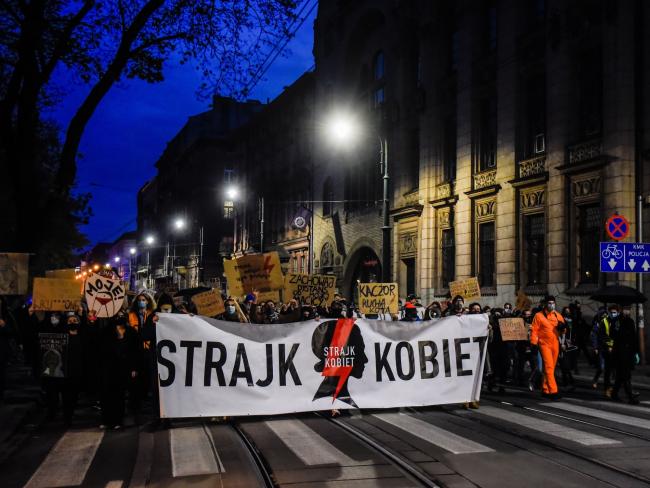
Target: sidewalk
x=22, y=398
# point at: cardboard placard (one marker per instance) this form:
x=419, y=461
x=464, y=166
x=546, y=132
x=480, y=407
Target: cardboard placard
x=54, y=354
x=523, y=302
x=317, y=290
x=56, y=295
x=104, y=296
x=209, y=303
x=378, y=298
x=467, y=288
x=513, y=329
x=265, y=296
x=63, y=274
x=14, y=273
x=253, y=272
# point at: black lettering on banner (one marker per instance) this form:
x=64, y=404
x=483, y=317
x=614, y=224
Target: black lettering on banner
x=189, y=371
x=458, y=345
x=428, y=358
x=269, y=367
x=398, y=359
x=445, y=356
x=240, y=358
x=482, y=340
x=171, y=370
x=381, y=361
x=287, y=365
x=211, y=364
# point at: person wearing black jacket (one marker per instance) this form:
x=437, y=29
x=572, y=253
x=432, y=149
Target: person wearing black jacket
x=120, y=361
x=73, y=381
x=625, y=355
x=5, y=344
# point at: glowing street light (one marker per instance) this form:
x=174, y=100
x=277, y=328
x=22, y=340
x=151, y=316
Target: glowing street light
x=96, y=267
x=232, y=192
x=117, y=259
x=342, y=128
x=132, y=251
x=179, y=224
x=150, y=240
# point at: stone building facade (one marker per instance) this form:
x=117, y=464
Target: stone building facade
x=514, y=128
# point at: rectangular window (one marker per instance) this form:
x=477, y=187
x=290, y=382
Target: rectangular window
x=532, y=137
x=228, y=209
x=378, y=97
x=303, y=264
x=534, y=246
x=488, y=134
x=590, y=224
x=448, y=257
x=491, y=30
x=414, y=163
x=449, y=149
x=486, y=254
x=410, y=275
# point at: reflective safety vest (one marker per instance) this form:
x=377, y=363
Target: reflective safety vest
x=609, y=342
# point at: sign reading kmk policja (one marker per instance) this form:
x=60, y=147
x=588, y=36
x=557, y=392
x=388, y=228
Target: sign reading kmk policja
x=624, y=257
x=211, y=368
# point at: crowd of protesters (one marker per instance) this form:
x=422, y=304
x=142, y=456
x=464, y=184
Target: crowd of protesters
x=112, y=362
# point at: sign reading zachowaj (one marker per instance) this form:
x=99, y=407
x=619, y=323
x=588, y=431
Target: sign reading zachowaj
x=211, y=368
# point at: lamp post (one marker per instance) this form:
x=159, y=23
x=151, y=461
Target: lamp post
x=149, y=240
x=233, y=194
x=343, y=130
x=132, y=256
x=178, y=224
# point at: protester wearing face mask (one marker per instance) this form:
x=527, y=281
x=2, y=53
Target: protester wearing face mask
x=73, y=381
x=545, y=332
x=625, y=355
x=232, y=312
x=52, y=379
x=604, y=343
x=142, y=309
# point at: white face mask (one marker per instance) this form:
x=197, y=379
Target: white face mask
x=550, y=307
x=166, y=309
x=230, y=309
x=614, y=315
x=54, y=320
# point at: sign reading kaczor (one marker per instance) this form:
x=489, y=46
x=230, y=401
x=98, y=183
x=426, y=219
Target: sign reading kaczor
x=13, y=273
x=209, y=303
x=316, y=290
x=513, y=329
x=104, y=296
x=56, y=295
x=468, y=288
x=253, y=272
x=378, y=298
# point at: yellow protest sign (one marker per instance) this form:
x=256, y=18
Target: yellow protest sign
x=265, y=296
x=468, y=288
x=523, y=302
x=513, y=329
x=317, y=290
x=378, y=298
x=209, y=303
x=13, y=273
x=56, y=295
x=63, y=274
x=253, y=272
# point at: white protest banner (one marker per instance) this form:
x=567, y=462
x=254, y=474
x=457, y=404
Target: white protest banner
x=104, y=296
x=317, y=290
x=378, y=298
x=212, y=368
x=13, y=273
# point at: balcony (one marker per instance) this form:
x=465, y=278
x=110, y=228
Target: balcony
x=532, y=167
x=484, y=179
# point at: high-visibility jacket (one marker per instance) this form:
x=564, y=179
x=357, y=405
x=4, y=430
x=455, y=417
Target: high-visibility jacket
x=134, y=321
x=544, y=328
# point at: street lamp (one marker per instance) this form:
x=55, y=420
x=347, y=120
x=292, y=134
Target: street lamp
x=232, y=193
x=179, y=224
x=343, y=129
x=132, y=251
x=116, y=259
x=149, y=240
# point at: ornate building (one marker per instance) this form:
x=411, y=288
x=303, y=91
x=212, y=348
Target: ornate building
x=514, y=129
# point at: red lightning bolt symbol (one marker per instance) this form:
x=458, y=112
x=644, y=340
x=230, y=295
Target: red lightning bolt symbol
x=267, y=264
x=339, y=339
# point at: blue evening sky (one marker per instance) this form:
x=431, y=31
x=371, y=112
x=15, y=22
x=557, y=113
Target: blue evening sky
x=132, y=125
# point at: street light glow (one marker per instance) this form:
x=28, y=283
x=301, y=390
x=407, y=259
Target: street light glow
x=150, y=240
x=117, y=259
x=342, y=128
x=132, y=251
x=179, y=224
x=232, y=192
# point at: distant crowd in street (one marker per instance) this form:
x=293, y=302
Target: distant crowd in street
x=112, y=362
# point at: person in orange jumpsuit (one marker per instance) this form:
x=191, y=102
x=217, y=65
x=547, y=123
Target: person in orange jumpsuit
x=545, y=332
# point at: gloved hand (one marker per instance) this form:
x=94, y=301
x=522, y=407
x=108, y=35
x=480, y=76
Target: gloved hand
x=534, y=349
x=637, y=359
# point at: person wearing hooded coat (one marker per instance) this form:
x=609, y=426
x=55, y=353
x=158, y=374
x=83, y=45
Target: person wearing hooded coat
x=625, y=355
x=76, y=365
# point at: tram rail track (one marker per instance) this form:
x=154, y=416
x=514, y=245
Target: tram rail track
x=263, y=467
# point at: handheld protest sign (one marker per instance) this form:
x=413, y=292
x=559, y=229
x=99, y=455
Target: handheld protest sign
x=513, y=329
x=378, y=298
x=56, y=295
x=253, y=272
x=468, y=288
x=64, y=274
x=13, y=273
x=104, y=296
x=209, y=303
x=317, y=290
x=54, y=354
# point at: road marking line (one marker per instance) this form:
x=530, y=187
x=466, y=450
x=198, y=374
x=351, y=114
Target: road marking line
x=114, y=484
x=547, y=427
x=435, y=435
x=622, y=406
x=592, y=412
x=310, y=447
x=192, y=452
x=68, y=461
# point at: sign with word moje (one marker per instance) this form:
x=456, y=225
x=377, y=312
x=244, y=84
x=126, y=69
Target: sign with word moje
x=104, y=296
x=624, y=257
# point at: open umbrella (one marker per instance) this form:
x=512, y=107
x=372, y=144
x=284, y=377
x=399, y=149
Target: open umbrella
x=623, y=295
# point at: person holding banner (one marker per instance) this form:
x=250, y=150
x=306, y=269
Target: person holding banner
x=73, y=381
x=545, y=333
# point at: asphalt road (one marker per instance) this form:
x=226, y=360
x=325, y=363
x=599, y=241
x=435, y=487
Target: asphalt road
x=513, y=439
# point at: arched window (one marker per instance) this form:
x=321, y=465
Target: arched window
x=326, y=257
x=328, y=196
x=378, y=74
x=378, y=66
